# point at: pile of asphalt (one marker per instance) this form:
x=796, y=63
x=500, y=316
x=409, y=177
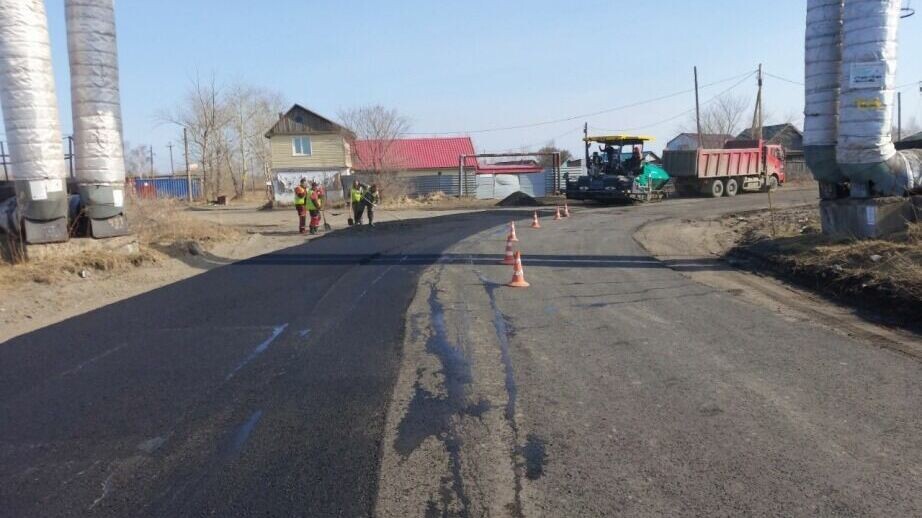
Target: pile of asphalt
x=518, y=199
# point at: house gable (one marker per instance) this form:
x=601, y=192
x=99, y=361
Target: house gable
x=298, y=120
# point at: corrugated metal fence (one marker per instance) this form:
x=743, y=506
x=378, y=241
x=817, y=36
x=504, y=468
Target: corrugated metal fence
x=168, y=187
x=423, y=185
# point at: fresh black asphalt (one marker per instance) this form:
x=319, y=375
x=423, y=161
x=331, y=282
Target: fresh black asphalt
x=257, y=388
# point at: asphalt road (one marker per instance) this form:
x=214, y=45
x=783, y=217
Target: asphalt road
x=617, y=386
x=258, y=388
x=391, y=373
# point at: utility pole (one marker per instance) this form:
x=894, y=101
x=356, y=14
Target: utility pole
x=586, y=145
x=697, y=110
x=170, y=145
x=151, y=149
x=756, y=130
x=899, y=116
x=185, y=145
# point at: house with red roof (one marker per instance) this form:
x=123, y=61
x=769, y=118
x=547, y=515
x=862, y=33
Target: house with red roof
x=410, y=157
x=431, y=164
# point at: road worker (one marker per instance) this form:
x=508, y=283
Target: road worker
x=370, y=200
x=635, y=163
x=314, y=204
x=301, y=204
x=356, y=195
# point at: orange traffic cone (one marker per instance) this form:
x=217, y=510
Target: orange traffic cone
x=566, y=210
x=534, y=221
x=511, y=236
x=557, y=215
x=510, y=256
x=518, y=273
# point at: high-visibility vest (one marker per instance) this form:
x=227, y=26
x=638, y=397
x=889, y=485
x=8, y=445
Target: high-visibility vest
x=313, y=200
x=300, y=195
x=356, y=194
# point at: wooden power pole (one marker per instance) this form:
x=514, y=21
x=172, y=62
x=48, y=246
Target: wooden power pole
x=698, y=137
x=756, y=130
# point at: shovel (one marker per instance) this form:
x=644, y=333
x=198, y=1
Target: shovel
x=326, y=226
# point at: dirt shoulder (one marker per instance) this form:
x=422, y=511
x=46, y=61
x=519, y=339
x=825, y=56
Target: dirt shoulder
x=174, y=241
x=863, y=289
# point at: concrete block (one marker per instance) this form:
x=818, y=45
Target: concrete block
x=123, y=245
x=866, y=218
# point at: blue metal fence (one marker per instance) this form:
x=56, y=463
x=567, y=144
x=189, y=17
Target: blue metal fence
x=168, y=187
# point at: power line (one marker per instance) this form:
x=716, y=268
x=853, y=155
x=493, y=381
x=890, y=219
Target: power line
x=800, y=83
x=685, y=112
x=586, y=115
x=780, y=78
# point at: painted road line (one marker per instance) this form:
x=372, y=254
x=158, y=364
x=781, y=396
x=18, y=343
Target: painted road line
x=261, y=348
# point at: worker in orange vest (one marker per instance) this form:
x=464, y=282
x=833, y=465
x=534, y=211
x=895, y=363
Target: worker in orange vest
x=314, y=204
x=301, y=204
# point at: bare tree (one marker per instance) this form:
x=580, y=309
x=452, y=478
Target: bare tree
x=202, y=114
x=721, y=117
x=380, y=127
x=137, y=160
x=251, y=111
x=547, y=161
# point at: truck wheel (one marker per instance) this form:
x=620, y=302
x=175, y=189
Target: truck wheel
x=771, y=183
x=732, y=187
x=716, y=189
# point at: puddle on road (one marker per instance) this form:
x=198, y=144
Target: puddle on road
x=535, y=454
x=432, y=415
x=505, y=331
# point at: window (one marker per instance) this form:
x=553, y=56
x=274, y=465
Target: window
x=301, y=146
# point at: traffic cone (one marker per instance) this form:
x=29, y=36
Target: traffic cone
x=510, y=256
x=566, y=210
x=518, y=273
x=557, y=215
x=534, y=221
x=511, y=236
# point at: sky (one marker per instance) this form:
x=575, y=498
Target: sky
x=470, y=66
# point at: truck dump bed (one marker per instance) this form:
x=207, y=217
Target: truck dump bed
x=713, y=163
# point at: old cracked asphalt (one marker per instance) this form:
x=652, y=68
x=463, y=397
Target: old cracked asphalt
x=389, y=373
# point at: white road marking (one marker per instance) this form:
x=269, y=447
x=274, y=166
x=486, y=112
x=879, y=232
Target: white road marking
x=261, y=348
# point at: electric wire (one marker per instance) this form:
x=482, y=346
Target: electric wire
x=684, y=112
x=587, y=115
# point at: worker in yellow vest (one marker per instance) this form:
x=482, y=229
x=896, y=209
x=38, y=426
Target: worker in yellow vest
x=314, y=204
x=301, y=204
x=356, y=195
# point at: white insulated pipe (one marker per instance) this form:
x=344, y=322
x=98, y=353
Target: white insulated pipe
x=94, y=90
x=865, y=149
x=868, y=76
x=27, y=95
x=822, y=64
x=823, y=60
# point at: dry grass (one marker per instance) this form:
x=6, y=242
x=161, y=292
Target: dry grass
x=890, y=267
x=162, y=227
x=165, y=223
x=894, y=263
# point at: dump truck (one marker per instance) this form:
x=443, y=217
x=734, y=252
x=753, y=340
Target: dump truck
x=617, y=172
x=740, y=166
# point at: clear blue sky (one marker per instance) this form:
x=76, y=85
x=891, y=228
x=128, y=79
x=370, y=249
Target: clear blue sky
x=460, y=66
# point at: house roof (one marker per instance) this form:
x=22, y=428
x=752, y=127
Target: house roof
x=298, y=120
x=913, y=138
x=772, y=133
x=717, y=138
x=414, y=153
